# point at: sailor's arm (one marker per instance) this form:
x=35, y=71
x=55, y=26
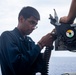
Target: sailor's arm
x=71, y=15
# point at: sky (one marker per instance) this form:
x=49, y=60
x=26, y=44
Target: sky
x=9, y=10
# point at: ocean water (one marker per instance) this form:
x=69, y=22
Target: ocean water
x=60, y=65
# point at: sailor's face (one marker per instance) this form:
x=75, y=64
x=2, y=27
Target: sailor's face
x=29, y=25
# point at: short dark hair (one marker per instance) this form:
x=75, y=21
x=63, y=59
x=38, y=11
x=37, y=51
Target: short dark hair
x=28, y=11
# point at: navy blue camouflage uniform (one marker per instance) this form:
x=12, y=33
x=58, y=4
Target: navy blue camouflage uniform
x=19, y=56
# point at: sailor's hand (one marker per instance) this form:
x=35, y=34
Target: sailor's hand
x=46, y=40
x=63, y=19
x=66, y=20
